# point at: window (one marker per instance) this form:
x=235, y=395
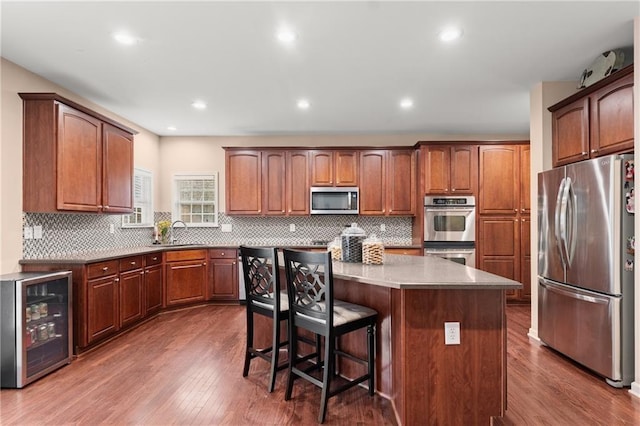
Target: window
x=196, y=199
x=142, y=215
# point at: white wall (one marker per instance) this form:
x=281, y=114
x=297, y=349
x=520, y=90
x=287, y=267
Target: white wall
x=14, y=80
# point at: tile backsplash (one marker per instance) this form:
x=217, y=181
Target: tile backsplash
x=74, y=233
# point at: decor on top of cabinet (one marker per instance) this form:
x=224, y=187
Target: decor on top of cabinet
x=605, y=64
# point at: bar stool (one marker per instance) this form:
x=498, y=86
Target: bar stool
x=313, y=308
x=264, y=297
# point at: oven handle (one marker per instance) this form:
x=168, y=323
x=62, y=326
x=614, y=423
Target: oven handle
x=461, y=251
x=449, y=209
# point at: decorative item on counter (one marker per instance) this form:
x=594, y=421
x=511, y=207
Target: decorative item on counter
x=335, y=247
x=372, y=251
x=352, y=238
x=163, y=229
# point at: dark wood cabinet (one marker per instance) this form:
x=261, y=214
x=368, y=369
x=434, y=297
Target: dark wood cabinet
x=102, y=310
x=131, y=290
x=74, y=159
x=153, y=294
x=185, y=276
x=388, y=182
x=243, y=169
x=596, y=121
x=334, y=167
x=504, y=206
x=223, y=281
x=297, y=183
x=274, y=183
x=450, y=169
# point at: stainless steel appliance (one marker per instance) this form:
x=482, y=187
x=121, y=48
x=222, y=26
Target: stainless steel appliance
x=450, y=227
x=585, y=264
x=36, y=327
x=334, y=200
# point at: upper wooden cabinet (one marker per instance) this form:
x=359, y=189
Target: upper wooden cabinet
x=388, y=182
x=504, y=177
x=334, y=167
x=596, y=121
x=450, y=169
x=270, y=182
x=74, y=159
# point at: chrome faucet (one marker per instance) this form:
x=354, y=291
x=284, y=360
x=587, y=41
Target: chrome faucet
x=171, y=239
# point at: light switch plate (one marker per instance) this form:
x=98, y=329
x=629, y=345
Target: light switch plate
x=112, y=228
x=451, y=333
x=292, y=227
x=28, y=233
x=37, y=232
x=226, y=227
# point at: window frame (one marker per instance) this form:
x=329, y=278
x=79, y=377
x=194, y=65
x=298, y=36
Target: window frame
x=144, y=174
x=176, y=202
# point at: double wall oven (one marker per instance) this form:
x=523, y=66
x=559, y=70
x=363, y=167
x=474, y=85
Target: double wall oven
x=450, y=228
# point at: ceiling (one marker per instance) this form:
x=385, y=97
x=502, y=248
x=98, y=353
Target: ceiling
x=353, y=61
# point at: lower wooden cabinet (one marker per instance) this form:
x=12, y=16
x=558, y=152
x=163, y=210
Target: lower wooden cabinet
x=185, y=276
x=223, y=281
x=131, y=290
x=153, y=294
x=102, y=308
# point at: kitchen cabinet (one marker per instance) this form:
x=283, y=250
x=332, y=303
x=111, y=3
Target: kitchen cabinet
x=74, y=159
x=274, y=183
x=596, y=121
x=102, y=315
x=406, y=251
x=243, y=171
x=223, y=281
x=297, y=183
x=130, y=290
x=334, y=167
x=450, y=169
x=388, y=182
x=504, y=207
x=153, y=294
x=185, y=276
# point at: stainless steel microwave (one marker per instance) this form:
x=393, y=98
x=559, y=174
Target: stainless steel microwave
x=334, y=200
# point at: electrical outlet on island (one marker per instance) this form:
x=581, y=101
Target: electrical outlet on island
x=451, y=333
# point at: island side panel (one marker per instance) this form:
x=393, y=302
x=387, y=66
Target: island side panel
x=452, y=384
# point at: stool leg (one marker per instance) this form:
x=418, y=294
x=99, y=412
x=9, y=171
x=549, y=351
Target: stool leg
x=329, y=367
x=370, y=352
x=247, y=352
x=275, y=353
x=293, y=355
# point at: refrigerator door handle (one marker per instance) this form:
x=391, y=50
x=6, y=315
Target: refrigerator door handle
x=571, y=221
x=579, y=296
x=556, y=217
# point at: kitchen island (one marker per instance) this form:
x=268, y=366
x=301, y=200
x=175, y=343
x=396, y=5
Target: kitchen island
x=427, y=381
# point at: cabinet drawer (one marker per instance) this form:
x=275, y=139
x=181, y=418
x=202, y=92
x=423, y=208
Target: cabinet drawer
x=152, y=259
x=130, y=263
x=221, y=253
x=177, y=255
x=102, y=269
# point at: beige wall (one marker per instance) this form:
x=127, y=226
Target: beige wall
x=15, y=79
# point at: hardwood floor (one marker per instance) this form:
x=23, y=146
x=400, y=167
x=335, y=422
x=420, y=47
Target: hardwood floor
x=185, y=367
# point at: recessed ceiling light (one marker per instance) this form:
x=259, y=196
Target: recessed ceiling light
x=303, y=104
x=286, y=36
x=450, y=34
x=199, y=105
x=406, y=103
x=125, y=38
x=172, y=128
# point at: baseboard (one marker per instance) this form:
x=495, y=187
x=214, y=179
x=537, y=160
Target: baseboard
x=635, y=389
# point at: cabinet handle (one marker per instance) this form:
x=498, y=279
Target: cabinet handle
x=204, y=263
x=142, y=273
x=155, y=258
x=515, y=210
x=584, y=152
x=233, y=263
x=106, y=207
x=282, y=211
x=133, y=263
x=105, y=268
x=453, y=190
x=117, y=280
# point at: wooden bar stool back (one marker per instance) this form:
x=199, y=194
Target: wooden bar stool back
x=313, y=308
x=264, y=297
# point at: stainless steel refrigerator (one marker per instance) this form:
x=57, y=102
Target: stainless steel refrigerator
x=585, y=264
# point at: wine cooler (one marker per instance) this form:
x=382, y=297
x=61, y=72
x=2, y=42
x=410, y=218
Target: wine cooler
x=36, y=328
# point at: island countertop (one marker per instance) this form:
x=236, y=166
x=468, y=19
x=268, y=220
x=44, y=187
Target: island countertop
x=421, y=272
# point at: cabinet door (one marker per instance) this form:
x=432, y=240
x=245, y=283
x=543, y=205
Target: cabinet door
x=570, y=128
x=499, y=179
x=224, y=281
x=373, y=197
x=525, y=179
x=185, y=281
x=79, y=174
x=612, y=118
x=273, y=181
x=102, y=308
x=464, y=169
x=243, y=193
x=436, y=169
x=401, y=182
x=321, y=168
x=130, y=290
x=499, y=248
x=297, y=182
x=345, y=168
x=153, y=289
x=117, y=170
